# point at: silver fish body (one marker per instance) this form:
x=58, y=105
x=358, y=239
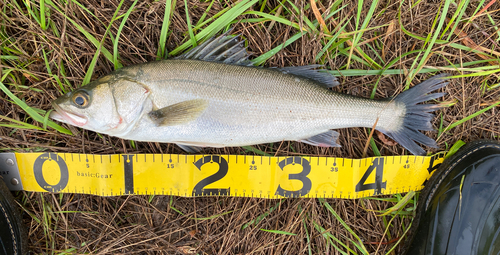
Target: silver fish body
x=248, y=105
x=192, y=102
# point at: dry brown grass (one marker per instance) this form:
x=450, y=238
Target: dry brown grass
x=171, y=225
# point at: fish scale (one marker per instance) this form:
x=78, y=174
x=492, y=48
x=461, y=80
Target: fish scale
x=266, y=90
x=255, y=95
x=198, y=103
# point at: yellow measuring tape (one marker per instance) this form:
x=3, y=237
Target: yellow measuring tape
x=216, y=175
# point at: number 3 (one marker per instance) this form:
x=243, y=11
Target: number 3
x=302, y=176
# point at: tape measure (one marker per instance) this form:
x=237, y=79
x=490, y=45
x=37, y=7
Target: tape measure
x=215, y=175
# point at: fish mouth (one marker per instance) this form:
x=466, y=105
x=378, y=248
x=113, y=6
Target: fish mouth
x=67, y=117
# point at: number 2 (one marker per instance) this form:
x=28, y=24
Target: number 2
x=199, y=189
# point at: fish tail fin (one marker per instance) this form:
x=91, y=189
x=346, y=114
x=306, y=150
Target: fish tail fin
x=418, y=116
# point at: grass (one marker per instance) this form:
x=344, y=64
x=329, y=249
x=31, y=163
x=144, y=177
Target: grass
x=162, y=52
x=50, y=47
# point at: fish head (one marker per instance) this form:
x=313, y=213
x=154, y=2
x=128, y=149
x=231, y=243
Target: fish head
x=91, y=107
x=109, y=105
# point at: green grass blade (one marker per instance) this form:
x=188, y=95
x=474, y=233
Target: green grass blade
x=494, y=26
x=479, y=73
x=46, y=119
x=399, y=240
x=262, y=216
x=432, y=41
x=457, y=123
x=274, y=18
x=30, y=11
x=20, y=124
x=303, y=18
x=43, y=23
x=330, y=42
x=47, y=66
x=90, y=70
x=216, y=26
x=118, y=33
x=358, y=36
x=85, y=9
x=394, y=61
x=31, y=112
x=359, y=243
x=400, y=205
x=190, y=27
x=309, y=251
x=213, y=216
x=454, y=148
x=216, y=16
x=204, y=16
x=162, y=52
x=376, y=152
x=327, y=235
x=256, y=151
x=414, y=35
x=278, y=232
x=457, y=15
x=262, y=58
x=90, y=37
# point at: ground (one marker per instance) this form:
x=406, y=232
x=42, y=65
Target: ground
x=53, y=46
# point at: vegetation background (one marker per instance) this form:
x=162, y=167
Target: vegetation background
x=377, y=48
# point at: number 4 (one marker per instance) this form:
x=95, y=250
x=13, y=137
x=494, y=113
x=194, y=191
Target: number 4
x=378, y=185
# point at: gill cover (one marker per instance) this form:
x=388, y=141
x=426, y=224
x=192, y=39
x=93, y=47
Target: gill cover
x=129, y=96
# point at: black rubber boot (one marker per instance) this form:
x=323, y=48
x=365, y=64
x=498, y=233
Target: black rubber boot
x=458, y=211
x=13, y=238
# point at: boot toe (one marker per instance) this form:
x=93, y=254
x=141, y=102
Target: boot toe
x=459, y=210
x=13, y=238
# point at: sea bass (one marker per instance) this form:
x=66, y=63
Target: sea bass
x=212, y=96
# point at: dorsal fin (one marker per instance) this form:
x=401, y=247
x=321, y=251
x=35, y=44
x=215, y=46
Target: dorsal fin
x=225, y=49
x=310, y=72
x=230, y=50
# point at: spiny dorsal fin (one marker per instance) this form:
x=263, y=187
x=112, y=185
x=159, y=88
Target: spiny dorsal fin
x=179, y=113
x=225, y=49
x=310, y=72
x=231, y=50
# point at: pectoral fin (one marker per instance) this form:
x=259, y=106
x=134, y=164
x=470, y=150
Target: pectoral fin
x=179, y=113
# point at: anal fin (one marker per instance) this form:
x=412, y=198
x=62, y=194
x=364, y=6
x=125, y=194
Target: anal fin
x=179, y=113
x=326, y=139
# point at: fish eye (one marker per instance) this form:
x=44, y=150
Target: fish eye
x=80, y=99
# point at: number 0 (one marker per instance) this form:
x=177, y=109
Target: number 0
x=40, y=179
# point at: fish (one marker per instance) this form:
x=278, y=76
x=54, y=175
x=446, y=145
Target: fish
x=214, y=96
